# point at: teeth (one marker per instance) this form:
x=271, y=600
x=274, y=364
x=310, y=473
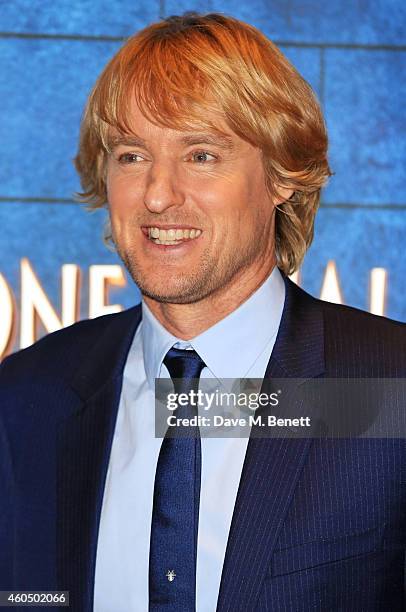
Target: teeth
x=172, y=236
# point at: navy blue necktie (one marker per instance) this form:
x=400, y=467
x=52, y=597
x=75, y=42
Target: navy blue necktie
x=175, y=516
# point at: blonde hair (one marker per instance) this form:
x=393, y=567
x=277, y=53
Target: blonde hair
x=177, y=67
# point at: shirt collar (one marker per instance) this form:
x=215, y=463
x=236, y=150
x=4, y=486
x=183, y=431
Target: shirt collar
x=230, y=347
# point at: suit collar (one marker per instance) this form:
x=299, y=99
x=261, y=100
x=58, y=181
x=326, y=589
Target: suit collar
x=299, y=345
x=298, y=349
x=301, y=328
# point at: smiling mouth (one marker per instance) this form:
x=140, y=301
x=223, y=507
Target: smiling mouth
x=171, y=236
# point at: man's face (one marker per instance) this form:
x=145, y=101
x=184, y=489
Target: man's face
x=190, y=212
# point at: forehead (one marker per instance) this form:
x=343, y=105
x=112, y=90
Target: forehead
x=200, y=122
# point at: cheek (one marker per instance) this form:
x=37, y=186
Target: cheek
x=227, y=209
x=123, y=196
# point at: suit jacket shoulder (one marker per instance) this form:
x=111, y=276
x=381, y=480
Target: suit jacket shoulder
x=61, y=353
x=358, y=343
x=51, y=378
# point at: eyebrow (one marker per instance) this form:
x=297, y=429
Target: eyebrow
x=125, y=140
x=220, y=140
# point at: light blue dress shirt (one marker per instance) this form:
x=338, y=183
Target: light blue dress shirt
x=238, y=346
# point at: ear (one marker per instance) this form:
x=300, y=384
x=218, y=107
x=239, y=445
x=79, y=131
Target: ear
x=283, y=194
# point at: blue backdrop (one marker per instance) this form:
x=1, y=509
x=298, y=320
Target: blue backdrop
x=352, y=53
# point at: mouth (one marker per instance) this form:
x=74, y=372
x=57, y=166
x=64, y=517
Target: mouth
x=171, y=236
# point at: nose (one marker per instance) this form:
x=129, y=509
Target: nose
x=162, y=188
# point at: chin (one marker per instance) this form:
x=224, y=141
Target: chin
x=167, y=297
x=172, y=295
x=172, y=287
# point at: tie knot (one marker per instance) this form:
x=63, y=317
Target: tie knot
x=183, y=363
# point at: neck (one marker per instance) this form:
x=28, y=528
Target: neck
x=186, y=321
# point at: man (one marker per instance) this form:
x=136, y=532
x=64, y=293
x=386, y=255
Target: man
x=210, y=150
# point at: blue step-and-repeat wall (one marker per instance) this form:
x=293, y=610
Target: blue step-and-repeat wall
x=54, y=268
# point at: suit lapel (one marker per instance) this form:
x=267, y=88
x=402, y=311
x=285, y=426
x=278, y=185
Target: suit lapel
x=272, y=467
x=84, y=445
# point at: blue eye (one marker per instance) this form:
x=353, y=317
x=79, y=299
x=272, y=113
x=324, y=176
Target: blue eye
x=129, y=158
x=201, y=157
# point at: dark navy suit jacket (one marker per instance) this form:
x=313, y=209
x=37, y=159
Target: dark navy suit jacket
x=319, y=524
